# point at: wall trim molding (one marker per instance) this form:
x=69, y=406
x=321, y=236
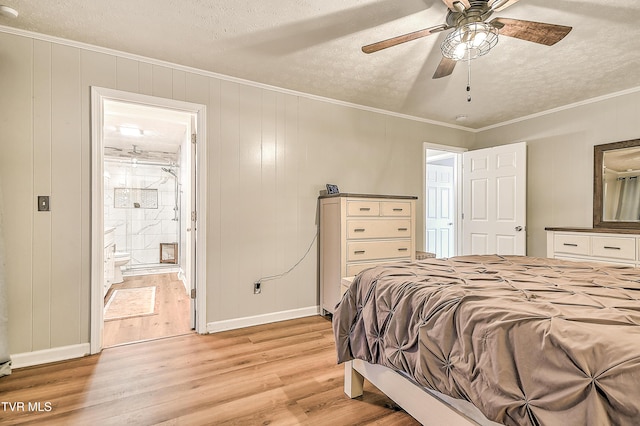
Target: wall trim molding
x=152, y=61
x=63, y=353
x=233, y=324
x=561, y=108
x=45, y=356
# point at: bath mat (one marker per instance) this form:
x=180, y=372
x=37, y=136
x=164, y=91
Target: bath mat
x=130, y=302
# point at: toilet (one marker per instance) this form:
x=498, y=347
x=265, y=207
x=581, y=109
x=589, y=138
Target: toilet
x=120, y=259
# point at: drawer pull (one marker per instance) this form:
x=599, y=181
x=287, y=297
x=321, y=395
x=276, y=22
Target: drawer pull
x=612, y=248
x=403, y=249
x=365, y=209
x=358, y=230
x=570, y=244
x=403, y=229
x=397, y=210
x=358, y=252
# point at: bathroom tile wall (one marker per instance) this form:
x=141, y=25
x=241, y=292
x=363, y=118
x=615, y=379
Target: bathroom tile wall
x=139, y=231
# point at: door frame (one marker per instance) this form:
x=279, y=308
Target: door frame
x=98, y=96
x=457, y=222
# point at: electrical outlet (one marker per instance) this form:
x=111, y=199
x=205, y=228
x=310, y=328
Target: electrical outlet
x=257, y=287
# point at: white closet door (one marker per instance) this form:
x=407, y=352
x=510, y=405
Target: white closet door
x=494, y=200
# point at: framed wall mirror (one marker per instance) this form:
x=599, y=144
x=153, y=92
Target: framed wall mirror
x=616, y=185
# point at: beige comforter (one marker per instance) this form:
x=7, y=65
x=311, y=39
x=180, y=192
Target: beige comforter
x=526, y=340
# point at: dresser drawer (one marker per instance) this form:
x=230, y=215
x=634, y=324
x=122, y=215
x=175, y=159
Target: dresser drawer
x=355, y=268
x=572, y=244
x=372, y=228
x=614, y=247
x=395, y=208
x=363, y=208
x=370, y=250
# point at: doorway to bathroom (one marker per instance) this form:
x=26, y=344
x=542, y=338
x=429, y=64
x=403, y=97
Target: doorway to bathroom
x=147, y=193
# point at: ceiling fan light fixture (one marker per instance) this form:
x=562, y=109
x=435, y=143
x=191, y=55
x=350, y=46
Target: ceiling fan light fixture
x=469, y=41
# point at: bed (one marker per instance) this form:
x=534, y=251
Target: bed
x=496, y=339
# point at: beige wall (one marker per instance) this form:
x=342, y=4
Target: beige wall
x=560, y=160
x=270, y=152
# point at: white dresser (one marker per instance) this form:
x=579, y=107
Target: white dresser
x=359, y=231
x=615, y=246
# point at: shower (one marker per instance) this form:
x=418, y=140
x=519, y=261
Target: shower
x=176, y=207
x=164, y=169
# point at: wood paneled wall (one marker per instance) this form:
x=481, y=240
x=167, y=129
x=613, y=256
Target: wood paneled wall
x=269, y=154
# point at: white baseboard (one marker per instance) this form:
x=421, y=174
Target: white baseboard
x=182, y=277
x=232, y=324
x=27, y=359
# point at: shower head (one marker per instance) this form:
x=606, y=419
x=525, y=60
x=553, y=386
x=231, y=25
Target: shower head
x=164, y=169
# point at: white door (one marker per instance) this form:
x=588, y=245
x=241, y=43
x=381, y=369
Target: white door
x=440, y=210
x=494, y=200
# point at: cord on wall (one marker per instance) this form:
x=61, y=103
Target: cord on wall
x=257, y=287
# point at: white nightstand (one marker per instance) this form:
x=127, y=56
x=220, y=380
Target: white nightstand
x=345, y=282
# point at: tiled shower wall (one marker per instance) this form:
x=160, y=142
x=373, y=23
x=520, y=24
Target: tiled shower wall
x=139, y=231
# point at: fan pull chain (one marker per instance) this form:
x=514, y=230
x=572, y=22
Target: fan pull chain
x=469, y=78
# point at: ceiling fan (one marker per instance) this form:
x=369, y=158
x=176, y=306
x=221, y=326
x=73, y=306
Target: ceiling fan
x=473, y=36
x=135, y=152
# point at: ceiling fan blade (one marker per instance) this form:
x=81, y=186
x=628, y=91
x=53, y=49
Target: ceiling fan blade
x=451, y=4
x=374, y=47
x=445, y=68
x=498, y=5
x=537, y=32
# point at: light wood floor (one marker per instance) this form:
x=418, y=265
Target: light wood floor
x=172, y=311
x=280, y=374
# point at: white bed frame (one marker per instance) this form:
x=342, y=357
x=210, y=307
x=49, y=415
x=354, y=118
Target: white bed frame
x=426, y=406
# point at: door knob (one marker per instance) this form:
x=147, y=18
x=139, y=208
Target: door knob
x=518, y=228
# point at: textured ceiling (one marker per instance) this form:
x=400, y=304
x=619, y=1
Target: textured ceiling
x=314, y=47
